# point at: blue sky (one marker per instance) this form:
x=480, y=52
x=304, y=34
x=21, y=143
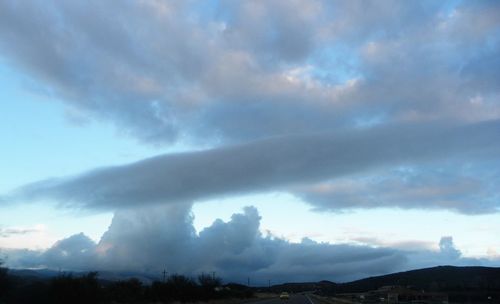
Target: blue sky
x=363, y=129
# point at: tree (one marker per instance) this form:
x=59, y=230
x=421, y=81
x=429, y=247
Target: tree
x=208, y=284
x=209, y=281
x=182, y=288
x=4, y=280
x=67, y=289
x=129, y=291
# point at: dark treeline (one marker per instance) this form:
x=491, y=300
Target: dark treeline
x=68, y=288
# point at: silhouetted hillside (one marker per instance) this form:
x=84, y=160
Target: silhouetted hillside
x=324, y=286
x=441, y=278
x=33, y=286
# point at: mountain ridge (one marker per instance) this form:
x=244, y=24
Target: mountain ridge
x=438, y=278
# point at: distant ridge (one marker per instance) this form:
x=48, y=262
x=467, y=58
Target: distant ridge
x=44, y=274
x=440, y=278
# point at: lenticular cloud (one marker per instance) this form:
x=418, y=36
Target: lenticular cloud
x=275, y=163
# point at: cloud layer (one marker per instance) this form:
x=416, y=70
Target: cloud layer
x=221, y=71
x=345, y=104
x=309, y=91
x=276, y=163
x=457, y=186
x=163, y=237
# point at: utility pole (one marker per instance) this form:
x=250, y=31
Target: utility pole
x=164, y=275
x=248, y=281
x=213, y=275
x=269, y=284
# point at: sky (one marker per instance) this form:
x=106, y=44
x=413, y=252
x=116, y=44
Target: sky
x=277, y=140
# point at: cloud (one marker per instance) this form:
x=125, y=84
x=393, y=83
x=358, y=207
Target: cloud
x=280, y=90
x=148, y=238
x=270, y=164
x=226, y=71
x=8, y=232
x=291, y=95
x=33, y=236
x=453, y=185
x=447, y=247
x=404, y=245
x=73, y=252
x=163, y=237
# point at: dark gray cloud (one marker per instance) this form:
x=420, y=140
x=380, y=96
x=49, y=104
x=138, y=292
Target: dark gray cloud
x=276, y=163
x=234, y=71
x=163, y=237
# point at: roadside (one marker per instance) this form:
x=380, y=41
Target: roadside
x=330, y=300
x=259, y=296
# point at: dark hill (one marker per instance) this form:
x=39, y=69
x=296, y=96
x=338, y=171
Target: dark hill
x=441, y=278
x=324, y=286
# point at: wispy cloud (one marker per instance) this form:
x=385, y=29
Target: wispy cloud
x=8, y=232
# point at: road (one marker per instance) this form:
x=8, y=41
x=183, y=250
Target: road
x=294, y=299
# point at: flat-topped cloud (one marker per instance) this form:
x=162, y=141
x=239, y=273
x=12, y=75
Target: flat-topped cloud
x=276, y=163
